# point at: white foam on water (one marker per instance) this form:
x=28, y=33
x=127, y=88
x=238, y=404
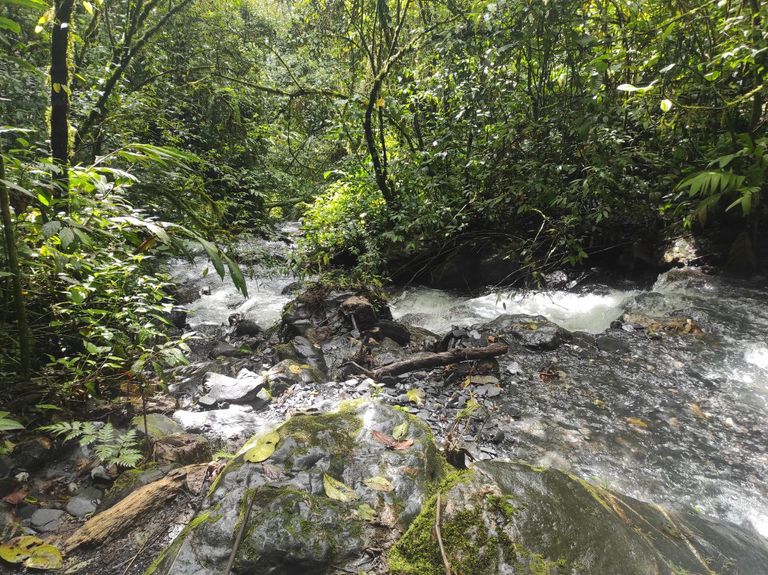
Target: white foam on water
x=437, y=311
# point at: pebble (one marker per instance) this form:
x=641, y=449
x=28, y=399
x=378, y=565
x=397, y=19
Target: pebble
x=100, y=473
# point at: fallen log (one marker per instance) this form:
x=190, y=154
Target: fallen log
x=427, y=360
x=136, y=509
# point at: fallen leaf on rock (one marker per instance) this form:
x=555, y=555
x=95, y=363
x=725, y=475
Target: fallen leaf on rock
x=697, y=411
x=415, y=396
x=263, y=448
x=45, y=557
x=19, y=549
x=33, y=552
x=366, y=512
x=337, y=490
x=16, y=497
x=400, y=432
x=637, y=422
x=390, y=442
x=379, y=484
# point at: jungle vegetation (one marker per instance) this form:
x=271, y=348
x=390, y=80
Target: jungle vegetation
x=399, y=131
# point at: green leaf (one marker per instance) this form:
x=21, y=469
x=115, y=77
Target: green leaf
x=45, y=557
x=337, y=490
x=19, y=549
x=7, y=424
x=379, y=484
x=213, y=256
x=665, y=105
x=8, y=24
x=33, y=4
x=415, y=396
x=88, y=6
x=626, y=88
x=263, y=449
x=67, y=236
x=237, y=275
x=400, y=432
x=51, y=228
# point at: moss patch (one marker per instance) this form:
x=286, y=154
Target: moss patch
x=172, y=550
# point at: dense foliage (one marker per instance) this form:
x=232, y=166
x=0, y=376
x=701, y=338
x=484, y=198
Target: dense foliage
x=401, y=131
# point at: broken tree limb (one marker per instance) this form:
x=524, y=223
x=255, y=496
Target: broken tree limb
x=139, y=507
x=428, y=360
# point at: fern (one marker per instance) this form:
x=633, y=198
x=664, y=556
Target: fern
x=110, y=446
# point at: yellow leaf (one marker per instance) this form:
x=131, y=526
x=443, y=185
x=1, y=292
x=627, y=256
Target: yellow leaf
x=666, y=105
x=637, y=422
x=379, y=483
x=19, y=549
x=263, y=448
x=88, y=6
x=415, y=396
x=380, y=103
x=337, y=490
x=400, y=432
x=56, y=87
x=45, y=557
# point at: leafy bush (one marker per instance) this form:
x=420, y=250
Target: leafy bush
x=342, y=224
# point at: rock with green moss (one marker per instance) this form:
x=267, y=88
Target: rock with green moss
x=158, y=425
x=321, y=490
x=516, y=519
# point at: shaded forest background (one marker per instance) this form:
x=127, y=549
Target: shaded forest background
x=540, y=133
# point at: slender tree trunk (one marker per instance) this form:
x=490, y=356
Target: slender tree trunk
x=25, y=337
x=60, y=91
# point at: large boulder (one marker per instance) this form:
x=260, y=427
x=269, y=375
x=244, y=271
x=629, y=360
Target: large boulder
x=335, y=486
x=320, y=492
x=514, y=518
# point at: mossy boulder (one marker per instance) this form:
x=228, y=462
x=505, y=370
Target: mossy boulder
x=335, y=485
x=516, y=519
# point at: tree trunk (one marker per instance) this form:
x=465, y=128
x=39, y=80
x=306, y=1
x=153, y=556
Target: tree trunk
x=60, y=92
x=25, y=338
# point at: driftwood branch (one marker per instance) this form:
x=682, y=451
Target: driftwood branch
x=428, y=360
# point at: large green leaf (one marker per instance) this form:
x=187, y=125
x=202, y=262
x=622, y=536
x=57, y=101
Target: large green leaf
x=33, y=4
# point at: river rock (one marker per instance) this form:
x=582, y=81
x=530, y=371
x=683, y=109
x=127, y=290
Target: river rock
x=234, y=422
x=387, y=351
x=359, y=308
x=224, y=349
x=244, y=388
x=304, y=351
x=301, y=520
x=534, y=332
x=158, y=425
x=182, y=449
x=288, y=373
x=46, y=519
x=513, y=518
x=323, y=489
x=80, y=506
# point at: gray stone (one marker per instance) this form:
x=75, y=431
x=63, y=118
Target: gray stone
x=610, y=344
x=79, y=506
x=294, y=525
x=222, y=388
x=534, y=332
x=46, y=519
x=224, y=349
x=158, y=425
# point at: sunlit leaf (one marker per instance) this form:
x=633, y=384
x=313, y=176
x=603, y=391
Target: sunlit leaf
x=379, y=484
x=337, y=490
x=263, y=448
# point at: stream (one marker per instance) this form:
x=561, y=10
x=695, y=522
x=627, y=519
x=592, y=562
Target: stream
x=673, y=419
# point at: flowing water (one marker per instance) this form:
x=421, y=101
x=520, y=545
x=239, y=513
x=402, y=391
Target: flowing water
x=678, y=419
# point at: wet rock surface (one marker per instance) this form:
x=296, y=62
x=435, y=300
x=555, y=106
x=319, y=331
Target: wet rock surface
x=337, y=484
x=503, y=517
x=332, y=487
